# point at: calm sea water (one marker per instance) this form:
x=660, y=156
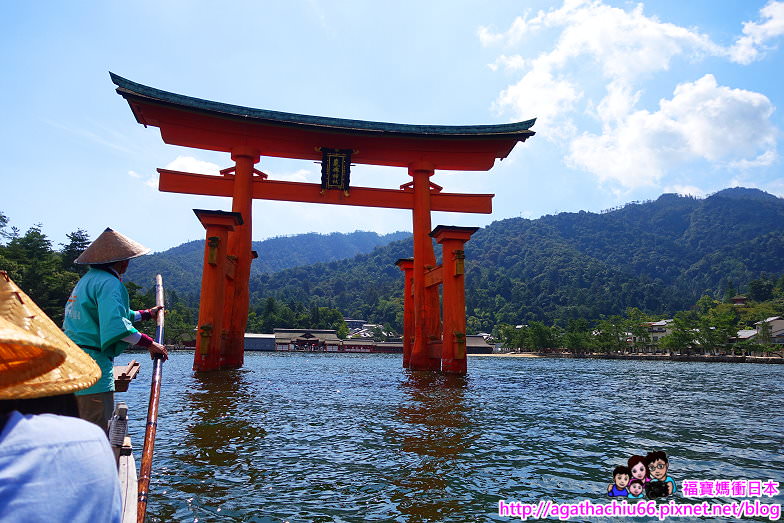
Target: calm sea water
x=316, y=437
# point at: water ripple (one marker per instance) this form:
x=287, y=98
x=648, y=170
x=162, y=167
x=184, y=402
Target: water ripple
x=315, y=437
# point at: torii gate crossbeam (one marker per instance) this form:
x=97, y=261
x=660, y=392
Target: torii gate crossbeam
x=192, y=183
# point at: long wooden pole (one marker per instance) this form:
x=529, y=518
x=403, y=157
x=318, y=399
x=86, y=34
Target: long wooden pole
x=152, y=410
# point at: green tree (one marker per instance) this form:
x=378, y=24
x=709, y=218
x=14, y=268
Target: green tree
x=717, y=327
x=512, y=337
x=729, y=291
x=543, y=337
x=78, y=241
x=577, y=337
x=37, y=269
x=611, y=335
x=3, y=225
x=778, y=289
x=636, y=325
x=180, y=325
x=683, y=335
x=765, y=334
x=342, y=331
x=761, y=289
x=705, y=304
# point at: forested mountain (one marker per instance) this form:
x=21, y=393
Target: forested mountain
x=659, y=256
x=181, y=265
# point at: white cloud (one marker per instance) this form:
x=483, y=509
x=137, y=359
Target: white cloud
x=685, y=190
x=743, y=181
x=513, y=35
x=545, y=97
x=602, y=59
x=181, y=163
x=763, y=160
x=150, y=181
x=703, y=120
x=720, y=123
x=508, y=63
x=190, y=164
x=300, y=175
x=618, y=104
x=756, y=35
x=776, y=187
x=621, y=46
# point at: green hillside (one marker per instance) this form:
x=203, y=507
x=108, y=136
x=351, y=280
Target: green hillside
x=181, y=265
x=659, y=256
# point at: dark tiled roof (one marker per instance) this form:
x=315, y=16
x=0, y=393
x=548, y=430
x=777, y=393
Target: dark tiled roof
x=131, y=90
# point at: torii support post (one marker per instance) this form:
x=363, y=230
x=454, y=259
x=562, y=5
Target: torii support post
x=209, y=346
x=425, y=352
x=407, y=266
x=240, y=247
x=452, y=240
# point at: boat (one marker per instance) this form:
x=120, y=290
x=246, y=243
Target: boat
x=121, y=444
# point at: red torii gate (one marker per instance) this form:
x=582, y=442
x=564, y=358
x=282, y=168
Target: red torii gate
x=247, y=134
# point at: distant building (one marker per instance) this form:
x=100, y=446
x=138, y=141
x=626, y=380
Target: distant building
x=326, y=340
x=369, y=330
x=659, y=329
x=262, y=342
x=776, y=324
x=739, y=300
x=354, y=324
x=746, y=334
x=305, y=339
x=476, y=344
x=364, y=345
x=656, y=331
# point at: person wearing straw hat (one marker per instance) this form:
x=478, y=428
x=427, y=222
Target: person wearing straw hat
x=53, y=467
x=98, y=319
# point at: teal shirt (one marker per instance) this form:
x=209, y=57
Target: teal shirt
x=98, y=315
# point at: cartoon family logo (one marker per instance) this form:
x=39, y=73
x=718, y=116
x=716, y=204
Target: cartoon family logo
x=643, y=477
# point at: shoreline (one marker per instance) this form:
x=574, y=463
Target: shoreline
x=775, y=360
x=645, y=357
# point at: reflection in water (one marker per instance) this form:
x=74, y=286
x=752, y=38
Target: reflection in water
x=437, y=431
x=218, y=449
x=220, y=434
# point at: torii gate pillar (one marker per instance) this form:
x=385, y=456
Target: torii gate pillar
x=407, y=266
x=452, y=240
x=217, y=276
x=240, y=246
x=426, y=349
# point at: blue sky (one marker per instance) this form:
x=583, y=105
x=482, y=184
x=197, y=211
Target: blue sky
x=632, y=100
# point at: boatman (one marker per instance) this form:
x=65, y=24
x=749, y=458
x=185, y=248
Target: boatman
x=98, y=319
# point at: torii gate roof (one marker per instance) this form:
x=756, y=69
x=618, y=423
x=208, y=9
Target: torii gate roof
x=204, y=124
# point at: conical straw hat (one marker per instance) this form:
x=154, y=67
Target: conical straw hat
x=24, y=356
x=78, y=371
x=110, y=247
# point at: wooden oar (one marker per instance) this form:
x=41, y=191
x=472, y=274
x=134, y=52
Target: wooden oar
x=152, y=410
